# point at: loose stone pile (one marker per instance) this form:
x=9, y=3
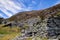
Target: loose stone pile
x=35, y=28
x=53, y=27
x=48, y=28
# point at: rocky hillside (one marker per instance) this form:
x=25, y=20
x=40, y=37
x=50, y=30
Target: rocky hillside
x=40, y=23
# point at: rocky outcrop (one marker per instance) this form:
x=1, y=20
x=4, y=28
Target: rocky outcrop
x=53, y=27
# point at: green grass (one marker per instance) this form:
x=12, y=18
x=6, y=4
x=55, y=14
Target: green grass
x=8, y=33
x=3, y=32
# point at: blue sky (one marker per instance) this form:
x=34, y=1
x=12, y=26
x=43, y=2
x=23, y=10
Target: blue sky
x=10, y=7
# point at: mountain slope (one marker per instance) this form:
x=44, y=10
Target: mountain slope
x=36, y=22
x=42, y=13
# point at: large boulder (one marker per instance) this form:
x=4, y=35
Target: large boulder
x=1, y=20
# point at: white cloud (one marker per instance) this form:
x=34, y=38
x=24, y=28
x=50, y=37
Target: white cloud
x=58, y=1
x=9, y=6
x=34, y=2
x=1, y=15
x=13, y=7
x=7, y=13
